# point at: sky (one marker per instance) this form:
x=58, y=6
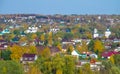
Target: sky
x=59, y=6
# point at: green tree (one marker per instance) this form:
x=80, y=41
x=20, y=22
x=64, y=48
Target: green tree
x=68, y=36
x=59, y=71
x=114, y=70
x=86, y=69
x=16, y=32
x=91, y=45
x=69, y=67
x=117, y=60
x=10, y=67
x=34, y=70
x=6, y=54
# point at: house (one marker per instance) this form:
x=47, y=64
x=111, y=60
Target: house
x=3, y=47
x=5, y=31
x=109, y=53
x=54, y=30
x=77, y=40
x=77, y=54
x=93, y=55
x=117, y=49
x=28, y=58
x=67, y=41
x=32, y=29
x=15, y=39
x=22, y=33
x=96, y=66
x=116, y=40
x=108, y=46
x=3, y=44
x=53, y=50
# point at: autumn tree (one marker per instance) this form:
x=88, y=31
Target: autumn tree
x=98, y=46
x=42, y=37
x=59, y=47
x=23, y=39
x=70, y=48
x=88, y=35
x=86, y=69
x=17, y=52
x=50, y=41
x=83, y=47
x=69, y=67
x=34, y=36
x=59, y=71
x=32, y=49
x=58, y=62
x=46, y=52
x=34, y=70
x=112, y=59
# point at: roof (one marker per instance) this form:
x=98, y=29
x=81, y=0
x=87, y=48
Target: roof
x=52, y=49
x=3, y=41
x=109, y=53
x=28, y=55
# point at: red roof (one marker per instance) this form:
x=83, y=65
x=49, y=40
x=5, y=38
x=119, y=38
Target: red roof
x=109, y=53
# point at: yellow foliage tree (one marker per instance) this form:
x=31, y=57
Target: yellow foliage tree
x=50, y=39
x=32, y=49
x=112, y=59
x=59, y=71
x=23, y=39
x=98, y=46
x=46, y=52
x=17, y=52
x=60, y=47
x=34, y=36
x=82, y=48
x=34, y=70
x=70, y=48
x=88, y=34
x=42, y=37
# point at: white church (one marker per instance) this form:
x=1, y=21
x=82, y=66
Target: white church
x=96, y=34
x=107, y=33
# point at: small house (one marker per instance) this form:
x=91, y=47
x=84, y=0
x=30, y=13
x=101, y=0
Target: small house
x=28, y=58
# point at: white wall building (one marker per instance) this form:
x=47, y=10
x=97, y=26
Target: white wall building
x=107, y=33
x=95, y=35
x=32, y=29
x=54, y=30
